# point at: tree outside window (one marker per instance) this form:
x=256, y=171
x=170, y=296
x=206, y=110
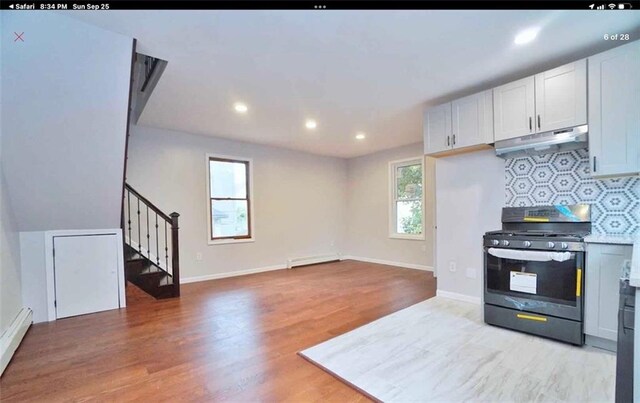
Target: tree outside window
x=407, y=199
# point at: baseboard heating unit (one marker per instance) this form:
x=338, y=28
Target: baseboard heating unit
x=305, y=261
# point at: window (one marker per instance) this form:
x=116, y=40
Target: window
x=406, y=210
x=229, y=188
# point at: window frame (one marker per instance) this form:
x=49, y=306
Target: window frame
x=250, y=237
x=393, y=165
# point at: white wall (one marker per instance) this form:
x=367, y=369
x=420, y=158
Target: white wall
x=299, y=199
x=34, y=274
x=10, y=284
x=368, y=210
x=469, y=199
x=66, y=90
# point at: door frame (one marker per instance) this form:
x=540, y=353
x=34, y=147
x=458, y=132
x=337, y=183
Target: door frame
x=49, y=264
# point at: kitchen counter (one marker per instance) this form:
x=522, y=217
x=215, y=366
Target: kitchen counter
x=610, y=239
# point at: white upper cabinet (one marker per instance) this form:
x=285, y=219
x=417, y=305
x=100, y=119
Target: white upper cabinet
x=614, y=111
x=514, y=109
x=553, y=100
x=462, y=123
x=561, y=97
x=472, y=120
x=437, y=129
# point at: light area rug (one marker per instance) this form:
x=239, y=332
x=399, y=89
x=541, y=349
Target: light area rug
x=439, y=350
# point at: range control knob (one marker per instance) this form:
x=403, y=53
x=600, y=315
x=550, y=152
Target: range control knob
x=505, y=243
x=564, y=245
x=526, y=244
x=551, y=245
x=495, y=242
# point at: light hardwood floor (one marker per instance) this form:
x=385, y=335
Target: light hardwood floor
x=234, y=339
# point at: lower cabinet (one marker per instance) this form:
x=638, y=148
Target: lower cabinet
x=602, y=282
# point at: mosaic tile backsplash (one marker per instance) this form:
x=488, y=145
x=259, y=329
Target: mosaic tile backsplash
x=563, y=178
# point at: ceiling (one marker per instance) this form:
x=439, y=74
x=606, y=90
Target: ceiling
x=351, y=71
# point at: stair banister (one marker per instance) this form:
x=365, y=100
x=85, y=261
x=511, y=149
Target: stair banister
x=170, y=246
x=175, y=259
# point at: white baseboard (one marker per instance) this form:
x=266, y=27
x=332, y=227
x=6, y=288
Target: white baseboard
x=389, y=263
x=11, y=338
x=216, y=276
x=458, y=297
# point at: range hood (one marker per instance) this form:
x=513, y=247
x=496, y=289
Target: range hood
x=544, y=143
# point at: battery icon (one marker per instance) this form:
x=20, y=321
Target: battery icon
x=622, y=6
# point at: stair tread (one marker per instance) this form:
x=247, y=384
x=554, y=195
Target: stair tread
x=147, y=275
x=157, y=272
x=137, y=259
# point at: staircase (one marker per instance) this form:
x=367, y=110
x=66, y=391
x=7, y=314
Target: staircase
x=151, y=246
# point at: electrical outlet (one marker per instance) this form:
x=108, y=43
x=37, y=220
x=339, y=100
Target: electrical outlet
x=199, y=257
x=471, y=272
x=452, y=266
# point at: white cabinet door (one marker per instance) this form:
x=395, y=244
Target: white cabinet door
x=472, y=120
x=614, y=111
x=437, y=129
x=514, y=109
x=602, y=289
x=86, y=274
x=561, y=97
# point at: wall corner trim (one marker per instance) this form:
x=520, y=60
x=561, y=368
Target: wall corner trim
x=459, y=297
x=11, y=338
x=389, y=263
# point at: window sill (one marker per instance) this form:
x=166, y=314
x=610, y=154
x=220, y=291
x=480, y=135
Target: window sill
x=229, y=241
x=407, y=237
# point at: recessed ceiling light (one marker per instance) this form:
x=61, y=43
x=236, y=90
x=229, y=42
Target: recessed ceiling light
x=360, y=136
x=526, y=36
x=311, y=124
x=240, y=107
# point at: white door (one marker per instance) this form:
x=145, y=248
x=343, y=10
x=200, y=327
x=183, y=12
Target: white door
x=614, y=111
x=472, y=120
x=86, y=274
x=561, y=97
x=514, y=109
x=437, y=129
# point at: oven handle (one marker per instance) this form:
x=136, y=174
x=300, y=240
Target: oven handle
x=530, y=255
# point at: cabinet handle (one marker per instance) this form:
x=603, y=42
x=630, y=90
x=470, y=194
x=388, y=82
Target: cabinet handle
x=530, y=125
x=621, y=316
x=448, y=141
x=538, y=121
x=594, y=163
x=454, y=139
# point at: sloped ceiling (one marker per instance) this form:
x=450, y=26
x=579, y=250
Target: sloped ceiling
x=370, y=71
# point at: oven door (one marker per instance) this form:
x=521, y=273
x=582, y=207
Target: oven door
x=547, y=287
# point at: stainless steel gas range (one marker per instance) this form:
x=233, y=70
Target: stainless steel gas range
x=534, y=271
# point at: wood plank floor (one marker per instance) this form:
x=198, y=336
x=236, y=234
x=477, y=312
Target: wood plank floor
x=233, y=339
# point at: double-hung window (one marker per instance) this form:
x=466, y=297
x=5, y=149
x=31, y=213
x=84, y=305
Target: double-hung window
x=230, y=215
x=406, y=210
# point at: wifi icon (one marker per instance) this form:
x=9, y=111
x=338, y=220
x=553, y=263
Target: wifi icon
x=612, y=6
